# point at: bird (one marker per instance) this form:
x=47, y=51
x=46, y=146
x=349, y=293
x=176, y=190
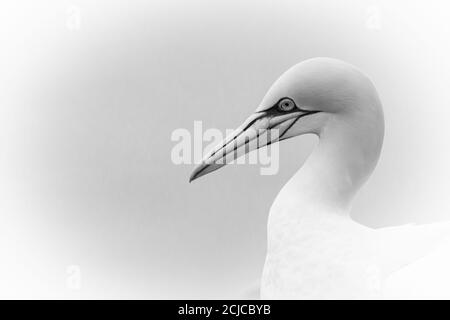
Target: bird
x=315, y=250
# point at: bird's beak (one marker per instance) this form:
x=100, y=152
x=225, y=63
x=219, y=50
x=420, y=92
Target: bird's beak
x=260, y=129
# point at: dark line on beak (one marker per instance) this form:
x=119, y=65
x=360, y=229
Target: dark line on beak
x=290, y=126
x=262, y=114
x=234, y=138
x=247, y=140
x=300, y=116
x=235, y=149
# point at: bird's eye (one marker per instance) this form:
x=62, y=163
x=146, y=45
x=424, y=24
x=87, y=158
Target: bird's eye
x=286, y=105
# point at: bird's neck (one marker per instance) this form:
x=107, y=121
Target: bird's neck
x=309, y=222
x=341, y=162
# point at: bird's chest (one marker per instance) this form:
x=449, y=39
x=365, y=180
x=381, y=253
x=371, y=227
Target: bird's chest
x=319, y=257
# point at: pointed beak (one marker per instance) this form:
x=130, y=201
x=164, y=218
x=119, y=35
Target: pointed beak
x=260, y=129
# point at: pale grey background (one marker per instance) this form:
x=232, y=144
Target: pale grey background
x=86, y=116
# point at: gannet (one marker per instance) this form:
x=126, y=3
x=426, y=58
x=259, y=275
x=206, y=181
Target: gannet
x=314, y=249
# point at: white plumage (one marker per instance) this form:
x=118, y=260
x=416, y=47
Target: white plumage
x=315, y=250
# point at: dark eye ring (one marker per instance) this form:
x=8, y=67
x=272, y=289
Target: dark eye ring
x=286, y=104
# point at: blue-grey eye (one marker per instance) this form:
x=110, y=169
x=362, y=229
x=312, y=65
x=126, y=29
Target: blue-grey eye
x=286, y=104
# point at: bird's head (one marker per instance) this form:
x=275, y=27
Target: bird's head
x=305, y=99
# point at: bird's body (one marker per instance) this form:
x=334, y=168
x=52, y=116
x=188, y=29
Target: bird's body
x=318, y=255
x=315, y=249
x=321, y=253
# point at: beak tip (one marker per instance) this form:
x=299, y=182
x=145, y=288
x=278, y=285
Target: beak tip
x=196, y=173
